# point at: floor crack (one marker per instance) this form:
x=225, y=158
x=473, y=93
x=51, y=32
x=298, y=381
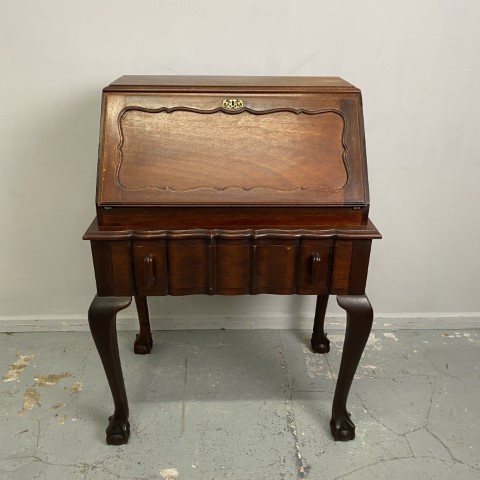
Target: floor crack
x=182, y=420
x=376, y=419
x=371, y=465
x=429, y=411
x=302, y=467
x=449, y=374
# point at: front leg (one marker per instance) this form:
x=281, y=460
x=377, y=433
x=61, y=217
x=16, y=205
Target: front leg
x=102, y=320
x=359, y=325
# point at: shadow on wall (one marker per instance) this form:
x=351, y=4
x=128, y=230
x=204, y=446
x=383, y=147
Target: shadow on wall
x=222, y=308
x=51, y=195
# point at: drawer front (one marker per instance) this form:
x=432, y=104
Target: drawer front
x=189, y=268
x=276, y=269
x=176, y=267
x=232, y=269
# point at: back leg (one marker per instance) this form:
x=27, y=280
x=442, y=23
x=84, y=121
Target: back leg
x=320, y=342
x=143, y=341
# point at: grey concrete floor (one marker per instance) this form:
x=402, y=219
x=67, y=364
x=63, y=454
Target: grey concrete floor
x=241, y=404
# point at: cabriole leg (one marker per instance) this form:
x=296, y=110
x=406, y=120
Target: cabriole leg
x=102, y=320
x=320, y=342
x=359, y=323
x=143, y=342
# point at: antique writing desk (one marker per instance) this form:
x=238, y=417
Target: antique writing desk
x=231, y=186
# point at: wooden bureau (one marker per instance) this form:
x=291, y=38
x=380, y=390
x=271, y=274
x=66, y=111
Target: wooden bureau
x=231, y=186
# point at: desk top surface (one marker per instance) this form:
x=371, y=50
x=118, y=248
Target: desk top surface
x=229, y=83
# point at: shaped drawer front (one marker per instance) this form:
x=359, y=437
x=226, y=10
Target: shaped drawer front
x=189, y=267
x=276, y=267
x=232, y=267
x=293, y=267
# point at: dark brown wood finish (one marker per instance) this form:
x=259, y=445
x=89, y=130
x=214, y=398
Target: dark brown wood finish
x=359, y=324
x=233, y=217
x=306, y=150
x=102, y=320
x=143, y=342
x=231, y=186
x=320, y=343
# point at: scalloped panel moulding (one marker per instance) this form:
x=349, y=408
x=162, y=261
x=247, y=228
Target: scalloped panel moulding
x=217, y=145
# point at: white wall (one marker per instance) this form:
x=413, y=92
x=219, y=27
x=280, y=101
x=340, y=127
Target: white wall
x=416, y=62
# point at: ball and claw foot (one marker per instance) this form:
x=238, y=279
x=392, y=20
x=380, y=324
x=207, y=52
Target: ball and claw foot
x=343, y=429
x=143, y=345
x=320, y=345
x=118, y=431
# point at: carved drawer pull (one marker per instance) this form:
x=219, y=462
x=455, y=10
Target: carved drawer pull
x=149, y=270
x=315, y=268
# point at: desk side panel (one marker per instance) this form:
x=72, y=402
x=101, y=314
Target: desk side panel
x=350, y=267
x=113, y=263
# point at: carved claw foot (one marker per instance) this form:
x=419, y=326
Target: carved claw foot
x=342, y=427
x=118, y=431
x=320, y=344
x=143, y=345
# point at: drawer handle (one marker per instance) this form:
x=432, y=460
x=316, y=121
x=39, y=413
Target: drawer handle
x=316, y=268
x=149, y=270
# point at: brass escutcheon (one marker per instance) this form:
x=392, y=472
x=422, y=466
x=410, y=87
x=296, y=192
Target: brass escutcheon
x=232, y=104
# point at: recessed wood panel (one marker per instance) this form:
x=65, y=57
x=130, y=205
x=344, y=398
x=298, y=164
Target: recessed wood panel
x=180, y=151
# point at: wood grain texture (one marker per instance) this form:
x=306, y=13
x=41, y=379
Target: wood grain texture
x=232, y=268
x=231, y=186
x=201, y=84
x=188, y=266
x=229, y=217
x=359, y=324
x=113, y=262
x=102, y=321
x=278, y=149
x=97, y=232
x=278, y=152
x=342, y=259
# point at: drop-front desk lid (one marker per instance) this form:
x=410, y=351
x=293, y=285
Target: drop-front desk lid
x=232, y=141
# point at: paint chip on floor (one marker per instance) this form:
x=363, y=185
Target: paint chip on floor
x=61, y=419
x=373, y=342
x=51, y=379
x=75, y=388
x=169, y=473
x=17, y=367
x=31, y=399
x=391, y=335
